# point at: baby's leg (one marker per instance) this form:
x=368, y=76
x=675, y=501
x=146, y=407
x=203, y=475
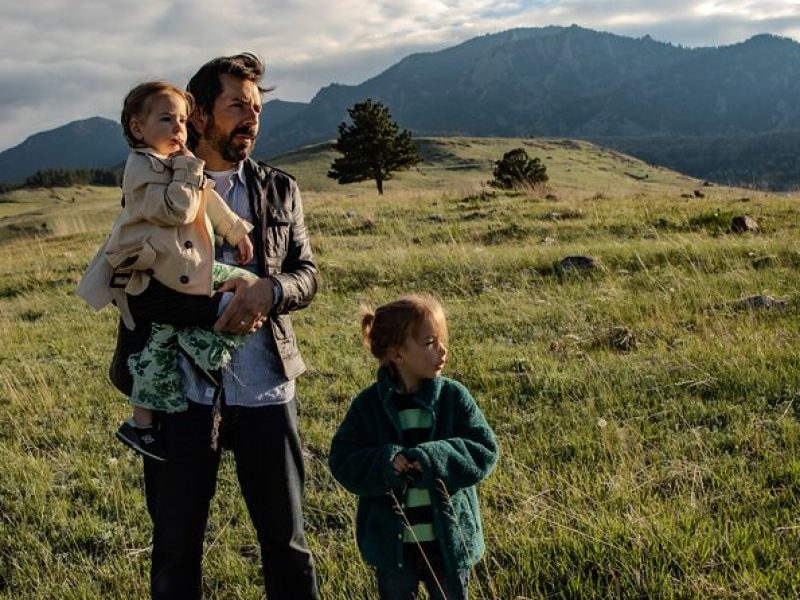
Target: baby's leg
x=143, y=417
x=157, y=383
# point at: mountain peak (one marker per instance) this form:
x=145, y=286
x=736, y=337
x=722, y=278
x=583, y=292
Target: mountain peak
x=768, y=38
x=87, y=143
x=526, y=82
x=81, y=128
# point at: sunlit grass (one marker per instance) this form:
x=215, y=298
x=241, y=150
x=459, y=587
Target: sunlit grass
x=663, y=467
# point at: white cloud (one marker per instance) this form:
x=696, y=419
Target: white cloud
x=62, y=60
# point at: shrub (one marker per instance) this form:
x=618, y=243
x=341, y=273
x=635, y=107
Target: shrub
x=516, y=169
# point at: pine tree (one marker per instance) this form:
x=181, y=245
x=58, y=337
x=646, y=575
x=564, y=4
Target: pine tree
x=372, y=146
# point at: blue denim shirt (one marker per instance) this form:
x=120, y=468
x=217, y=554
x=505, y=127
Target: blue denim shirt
x=254, y=376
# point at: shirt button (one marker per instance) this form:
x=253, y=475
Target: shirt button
x=184, y=279
x=188, y=244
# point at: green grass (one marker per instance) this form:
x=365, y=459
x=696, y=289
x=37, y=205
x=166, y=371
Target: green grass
x=463, y=163
x=58, y=211
x=667, y=468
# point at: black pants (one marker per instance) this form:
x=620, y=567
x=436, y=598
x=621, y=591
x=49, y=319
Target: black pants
x=269, y=466
x=161, y=304
x=157, y=304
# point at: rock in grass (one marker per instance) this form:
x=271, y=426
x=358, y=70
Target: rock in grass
x=760, y=302
x=578, y=263
x=744, y=224
x=764, y=262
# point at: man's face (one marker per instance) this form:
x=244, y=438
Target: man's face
x=232, y=127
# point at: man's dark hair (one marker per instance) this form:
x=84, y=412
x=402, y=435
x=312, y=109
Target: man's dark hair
x=205, y=87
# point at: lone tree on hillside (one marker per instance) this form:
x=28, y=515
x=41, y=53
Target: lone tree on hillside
x=517, y=169
x=372, y=146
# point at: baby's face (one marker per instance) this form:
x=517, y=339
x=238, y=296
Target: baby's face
x=164, y=126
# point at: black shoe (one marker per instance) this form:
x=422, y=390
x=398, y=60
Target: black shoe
x=143, y=440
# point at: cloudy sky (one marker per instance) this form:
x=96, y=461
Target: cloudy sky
x=62, y=60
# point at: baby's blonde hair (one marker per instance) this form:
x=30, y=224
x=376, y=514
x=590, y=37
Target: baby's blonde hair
x=389, y=325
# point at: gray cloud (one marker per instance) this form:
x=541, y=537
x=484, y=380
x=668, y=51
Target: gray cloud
x=62, y=60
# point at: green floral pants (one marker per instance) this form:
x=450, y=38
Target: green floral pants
x=157, y=382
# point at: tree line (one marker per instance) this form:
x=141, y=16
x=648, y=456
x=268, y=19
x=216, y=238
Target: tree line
x=67, y=178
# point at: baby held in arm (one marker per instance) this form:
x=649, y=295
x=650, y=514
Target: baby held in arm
x=159, y=261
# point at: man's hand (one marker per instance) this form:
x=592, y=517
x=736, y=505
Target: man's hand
x=249, y=307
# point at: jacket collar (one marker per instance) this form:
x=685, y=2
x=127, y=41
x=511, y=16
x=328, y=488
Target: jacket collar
x=256, y=170
x=427, y=394
x=158, y=163
x=148, y=151
x=240, y=172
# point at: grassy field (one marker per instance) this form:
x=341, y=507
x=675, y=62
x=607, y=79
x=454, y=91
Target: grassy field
x=458, y=164
x=58, y=211
x=648, y=423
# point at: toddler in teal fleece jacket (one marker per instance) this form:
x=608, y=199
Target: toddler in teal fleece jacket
x=413, y=446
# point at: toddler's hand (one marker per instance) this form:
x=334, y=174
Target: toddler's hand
x=245, y=253
x=184, y=151
x=400, y=464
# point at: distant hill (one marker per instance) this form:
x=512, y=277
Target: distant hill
x=576, y=83
x=277, y=112
x=94, y=142
x=452, y=168
x=769, y=160
x=463, y=165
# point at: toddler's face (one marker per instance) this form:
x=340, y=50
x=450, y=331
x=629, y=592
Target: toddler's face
x=164, y=126
x=422, y=355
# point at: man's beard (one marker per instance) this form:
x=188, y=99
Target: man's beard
x=228, y=148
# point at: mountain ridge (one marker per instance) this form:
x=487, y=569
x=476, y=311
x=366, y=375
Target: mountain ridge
x=86, y=143
x=581, y=83
x=569, y=82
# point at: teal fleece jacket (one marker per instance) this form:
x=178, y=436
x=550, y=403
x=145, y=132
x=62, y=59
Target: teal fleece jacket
x=461, y=452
